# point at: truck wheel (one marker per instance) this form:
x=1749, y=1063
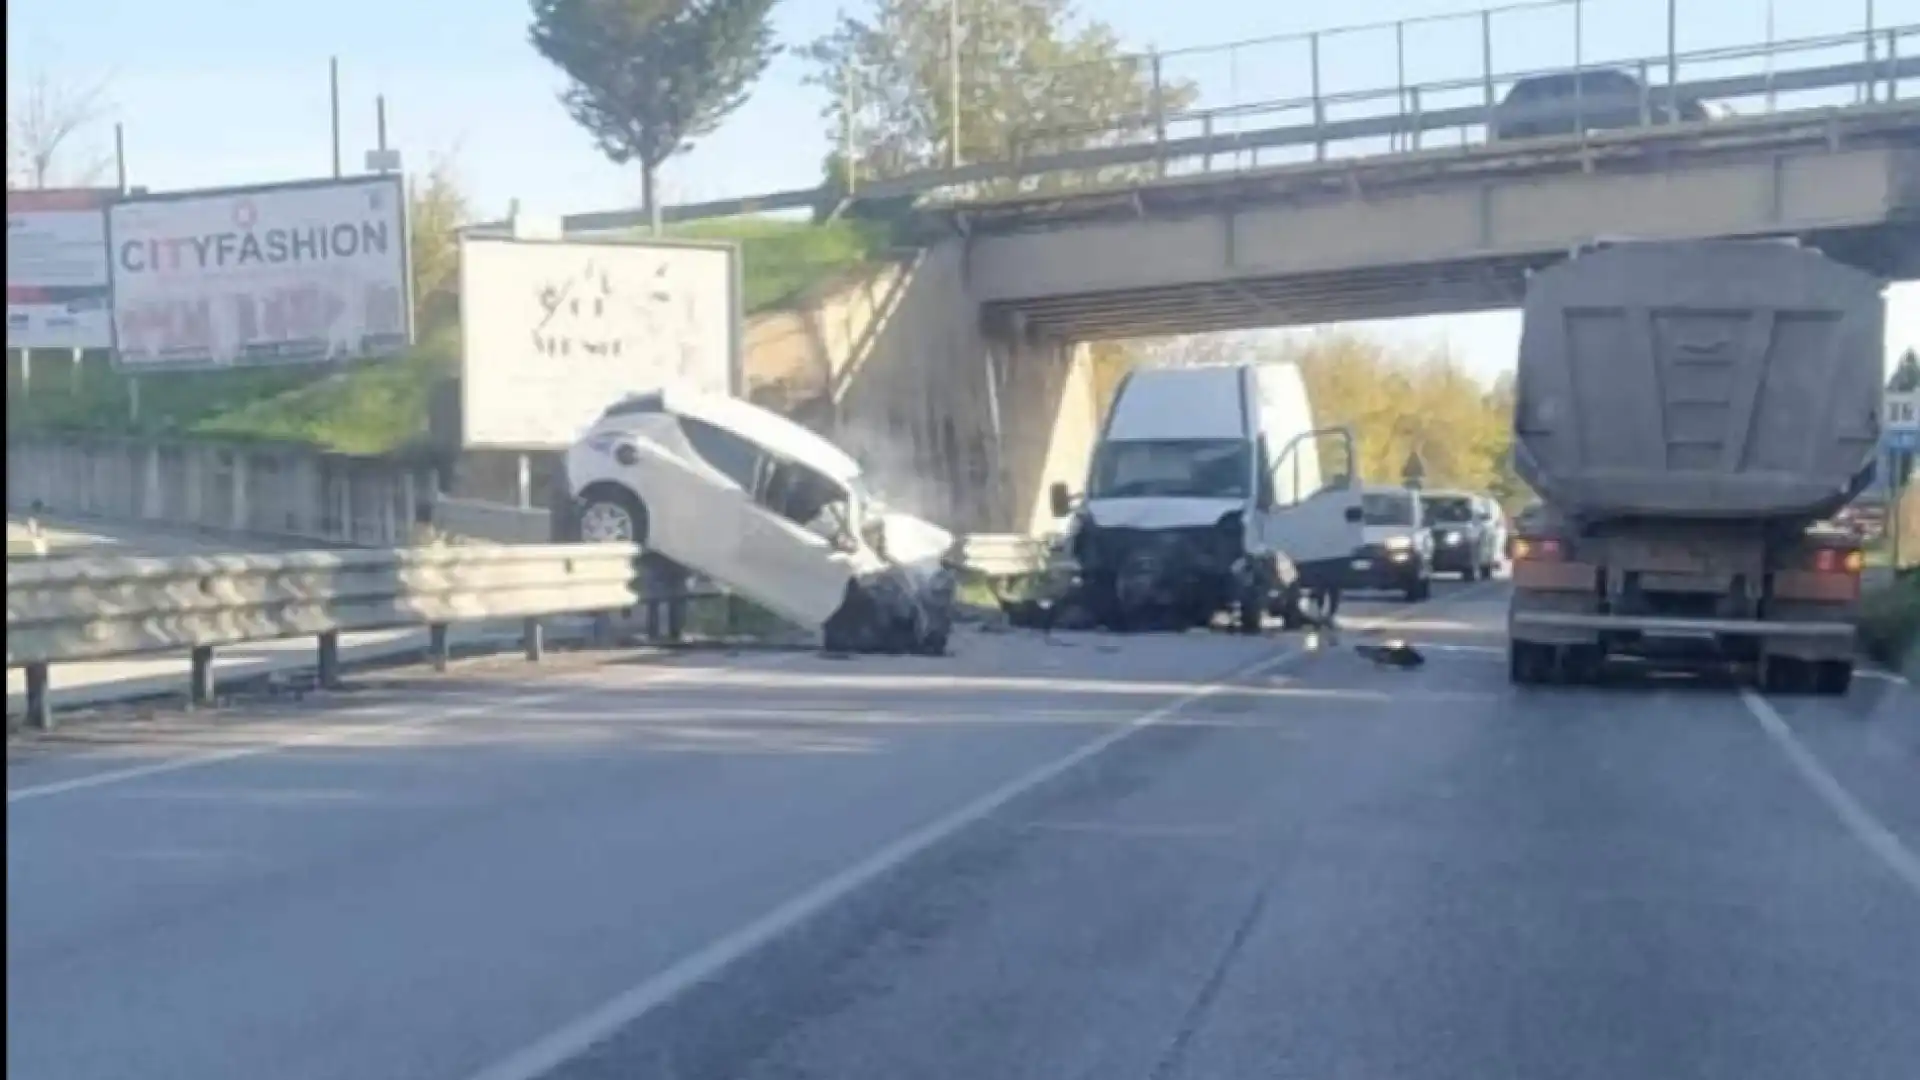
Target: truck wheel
x=1782, y=675
x=1580, y=665
x=1833, y=678
x=1528, y=663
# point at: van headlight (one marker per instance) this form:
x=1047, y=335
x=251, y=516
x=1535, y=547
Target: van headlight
x=1398, y=543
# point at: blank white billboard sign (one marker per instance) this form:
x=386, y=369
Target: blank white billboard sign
x=554, y=331
x=307, y=272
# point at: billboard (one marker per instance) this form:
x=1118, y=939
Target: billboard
x=58, y=293
x=296, y=273
x=554, y=331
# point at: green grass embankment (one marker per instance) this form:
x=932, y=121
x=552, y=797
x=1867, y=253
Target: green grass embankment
x=379, y=407
x=1890, y=622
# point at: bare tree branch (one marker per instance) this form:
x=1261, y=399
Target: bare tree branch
x=42, y=126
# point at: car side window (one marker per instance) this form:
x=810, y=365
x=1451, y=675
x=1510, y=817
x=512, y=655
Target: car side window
x=734, y=456
x=805, y=497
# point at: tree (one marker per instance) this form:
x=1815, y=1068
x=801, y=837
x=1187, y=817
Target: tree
x=42, y=127
x=436, y=209
x=1035, y=79
x=1906, y=373
x=648, y=77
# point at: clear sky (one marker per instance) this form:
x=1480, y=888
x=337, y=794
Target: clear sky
x=222, y=92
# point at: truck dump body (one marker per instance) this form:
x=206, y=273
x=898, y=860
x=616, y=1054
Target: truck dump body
x=1706, y=381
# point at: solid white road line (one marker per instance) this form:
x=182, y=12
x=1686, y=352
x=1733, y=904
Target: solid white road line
x=577, y=1035
x=1866, y=828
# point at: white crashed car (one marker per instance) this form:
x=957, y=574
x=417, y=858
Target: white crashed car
x=769, y=509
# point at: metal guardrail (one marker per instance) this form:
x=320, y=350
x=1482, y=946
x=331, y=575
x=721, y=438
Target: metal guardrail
x=1005, y=555
x=61, y=611
x=1157, y=141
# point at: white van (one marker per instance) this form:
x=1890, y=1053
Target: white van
x=1212, y=489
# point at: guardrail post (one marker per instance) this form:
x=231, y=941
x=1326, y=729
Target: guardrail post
x=200, y=678
x=1418, y=128
x=1646, y=97
x=533, y=637
x=437, y=648
x=328, y=660
x=1206, y=134
x=39, y=708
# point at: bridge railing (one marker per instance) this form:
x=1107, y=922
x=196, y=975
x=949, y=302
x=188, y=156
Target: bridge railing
x=1864, y=65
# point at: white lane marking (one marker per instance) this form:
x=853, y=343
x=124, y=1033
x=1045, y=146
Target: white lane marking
x=1866, y=828
x=321, y=738
x=576, y=1036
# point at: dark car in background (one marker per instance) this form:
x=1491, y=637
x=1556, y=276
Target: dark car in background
x=1464, y=538
x=1596, y=99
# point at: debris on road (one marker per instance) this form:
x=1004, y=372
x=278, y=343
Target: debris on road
x=1392, y=653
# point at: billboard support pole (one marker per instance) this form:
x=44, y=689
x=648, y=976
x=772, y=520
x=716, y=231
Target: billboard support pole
x=120, y=155
x=133, y=398
x=380, y=128
x=333, y=90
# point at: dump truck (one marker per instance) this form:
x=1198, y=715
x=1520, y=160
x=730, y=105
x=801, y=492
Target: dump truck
x=1692, y=416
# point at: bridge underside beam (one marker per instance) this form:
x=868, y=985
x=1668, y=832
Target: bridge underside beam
x=1459, y=286
x=1452, y=241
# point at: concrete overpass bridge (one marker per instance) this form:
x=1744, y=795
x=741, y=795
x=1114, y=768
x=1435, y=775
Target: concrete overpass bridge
x=1436, y=231
x=968, y=375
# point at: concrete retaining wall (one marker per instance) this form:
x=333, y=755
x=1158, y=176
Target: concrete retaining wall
x=285, y=492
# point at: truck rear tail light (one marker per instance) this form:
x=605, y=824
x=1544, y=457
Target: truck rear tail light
x=1834, y=561
x=1537, y=550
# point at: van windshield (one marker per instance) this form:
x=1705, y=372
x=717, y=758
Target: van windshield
x=1447, y=509
x=1195, y=468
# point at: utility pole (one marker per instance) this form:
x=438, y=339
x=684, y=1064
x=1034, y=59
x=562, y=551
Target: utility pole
x=953, y=88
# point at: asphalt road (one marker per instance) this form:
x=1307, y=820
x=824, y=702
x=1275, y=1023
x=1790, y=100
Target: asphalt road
x=1156, y=857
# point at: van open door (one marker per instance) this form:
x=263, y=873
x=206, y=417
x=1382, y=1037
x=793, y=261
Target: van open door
x=1309, y=503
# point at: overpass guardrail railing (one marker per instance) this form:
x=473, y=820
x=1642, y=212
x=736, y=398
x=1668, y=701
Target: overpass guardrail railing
x=1871, y=66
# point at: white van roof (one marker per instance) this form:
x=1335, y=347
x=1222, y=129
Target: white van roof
x=764, y=428
x=1181, y=403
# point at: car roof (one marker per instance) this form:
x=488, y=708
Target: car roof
x=764, y=428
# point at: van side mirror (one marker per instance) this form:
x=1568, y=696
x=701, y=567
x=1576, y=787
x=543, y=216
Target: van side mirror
x=1352, y=515
x=1060, y=500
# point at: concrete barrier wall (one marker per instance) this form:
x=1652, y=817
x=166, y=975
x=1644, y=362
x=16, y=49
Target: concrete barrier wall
x=285, y=492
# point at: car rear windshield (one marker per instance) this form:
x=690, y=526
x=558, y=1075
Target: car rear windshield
x=1385, y=509
x=1447, y=509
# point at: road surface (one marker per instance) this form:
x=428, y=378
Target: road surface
x=1164, y=858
